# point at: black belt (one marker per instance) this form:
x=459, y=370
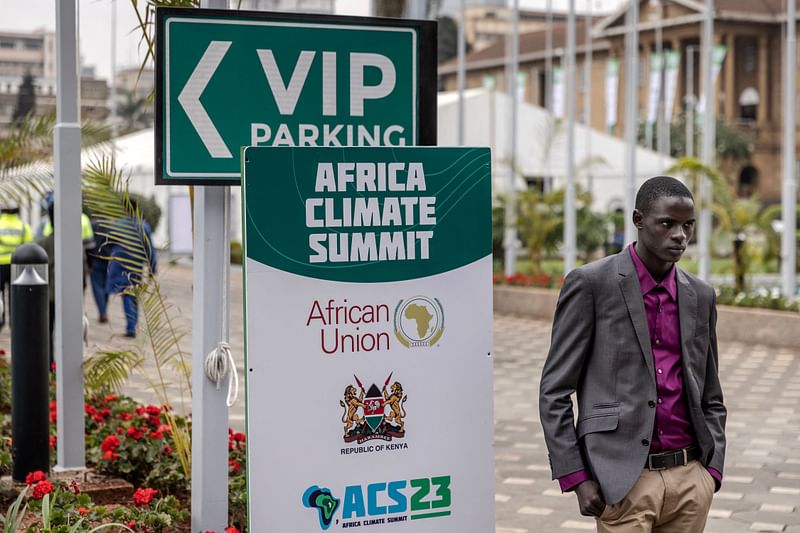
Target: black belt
x=664, y=460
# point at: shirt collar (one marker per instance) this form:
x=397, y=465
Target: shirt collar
x=646, y=280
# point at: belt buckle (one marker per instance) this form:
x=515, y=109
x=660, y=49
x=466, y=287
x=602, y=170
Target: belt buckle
x=685, y=456
x=650, y=463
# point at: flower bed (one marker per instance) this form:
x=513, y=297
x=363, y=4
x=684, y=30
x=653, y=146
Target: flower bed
x=124, y=440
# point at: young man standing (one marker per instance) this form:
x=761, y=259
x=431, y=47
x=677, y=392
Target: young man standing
x=634, y=337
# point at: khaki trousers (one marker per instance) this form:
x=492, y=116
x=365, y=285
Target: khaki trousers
x=675, y=500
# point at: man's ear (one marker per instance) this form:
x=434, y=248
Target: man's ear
x=638, y=219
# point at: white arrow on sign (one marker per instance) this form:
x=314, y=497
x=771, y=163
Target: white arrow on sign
x=190, y=99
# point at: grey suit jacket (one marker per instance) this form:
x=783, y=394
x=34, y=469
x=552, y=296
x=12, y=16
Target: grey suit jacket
x=600, y=350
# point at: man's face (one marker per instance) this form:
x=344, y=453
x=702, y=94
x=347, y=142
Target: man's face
x=665, y=230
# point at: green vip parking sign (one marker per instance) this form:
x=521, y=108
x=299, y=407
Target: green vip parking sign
x=227, y=79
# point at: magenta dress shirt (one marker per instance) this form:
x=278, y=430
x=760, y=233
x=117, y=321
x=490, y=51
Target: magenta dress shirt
x=673, y=428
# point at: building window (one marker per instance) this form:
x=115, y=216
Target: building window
x=33, y=45
x=748, y=181
x=750, y=54
x=5, y=43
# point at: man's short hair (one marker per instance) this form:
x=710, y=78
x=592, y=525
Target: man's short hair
x=659, y=187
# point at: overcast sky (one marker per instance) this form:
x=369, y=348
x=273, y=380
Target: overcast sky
x=95, y=27
x=95, y=24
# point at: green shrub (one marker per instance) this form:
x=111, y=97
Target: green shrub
x=761, y=297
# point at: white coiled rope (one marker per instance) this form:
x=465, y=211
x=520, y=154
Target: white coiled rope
x=219, y=363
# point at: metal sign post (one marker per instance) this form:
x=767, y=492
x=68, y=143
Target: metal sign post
x=68, y=347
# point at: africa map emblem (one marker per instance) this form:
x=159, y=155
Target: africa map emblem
x=419, y=321
x=373, y=413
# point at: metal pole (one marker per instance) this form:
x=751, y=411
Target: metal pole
x=709, y=133
x=631, y=115
x=690, y=100
x=548, y=58
x=68, y=348
x=462, y=52
x=789, y=196
x=587, y=96
x=510, y=239
x=569, y=198
x=114, y=124
x=660, y=108
x=209, y=312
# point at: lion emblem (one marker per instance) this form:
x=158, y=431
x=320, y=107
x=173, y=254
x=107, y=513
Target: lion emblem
x=394, y=400
x=351, y=403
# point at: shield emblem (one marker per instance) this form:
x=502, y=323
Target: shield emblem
x=373, y=407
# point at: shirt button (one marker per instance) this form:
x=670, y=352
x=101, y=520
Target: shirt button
x=660, y=400
x=660, y=371
x=660, y=431
x=645, y=442
x=651, y=403
x=658, y=341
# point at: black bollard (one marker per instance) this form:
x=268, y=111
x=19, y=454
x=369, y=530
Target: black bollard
x=30, y=349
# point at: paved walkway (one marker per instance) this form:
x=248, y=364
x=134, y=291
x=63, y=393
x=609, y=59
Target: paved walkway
x=761, y=490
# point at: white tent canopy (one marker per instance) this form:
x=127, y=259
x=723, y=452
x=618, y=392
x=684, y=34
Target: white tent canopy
x=542, y=146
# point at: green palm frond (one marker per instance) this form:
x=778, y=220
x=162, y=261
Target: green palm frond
x=105, y=194
x=145, y=14
x=109, y=370
x=24, y=183
x=162, y=334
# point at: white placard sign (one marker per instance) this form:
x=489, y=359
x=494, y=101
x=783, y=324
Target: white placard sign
x=368, y=319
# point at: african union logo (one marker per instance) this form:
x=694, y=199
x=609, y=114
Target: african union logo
x=419, y=321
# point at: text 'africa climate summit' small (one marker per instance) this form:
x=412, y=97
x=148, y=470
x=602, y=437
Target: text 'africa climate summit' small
x=340, y=208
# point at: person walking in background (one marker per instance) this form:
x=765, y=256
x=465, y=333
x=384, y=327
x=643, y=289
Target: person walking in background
x=634, y=337
x=98, y=271
x=131, y=254
x=13, y=233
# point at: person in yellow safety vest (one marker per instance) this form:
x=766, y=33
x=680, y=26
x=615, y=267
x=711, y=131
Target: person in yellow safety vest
x=13, y=233
x=87, y=234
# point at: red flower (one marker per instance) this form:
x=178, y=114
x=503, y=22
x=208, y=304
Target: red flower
x=73, y=486
x=110, y=443
x=134, y=433
x=144, y=496
x=97, y=417
x=164, y=428
x=53, y=405
x=239, y=437
x=53, y=417
x=167, y=449
x=119, y=430
x=42, y=488
x=110, y=397
x=110, y=456
x=155, y=435
x=232, y=530
x=52, y=441
x=139, y=410
x=125, y=416
x=83, y=511
x=35, y=477
x=236, y=466
x=153, y=410
x=89, y=409
x=130, y=524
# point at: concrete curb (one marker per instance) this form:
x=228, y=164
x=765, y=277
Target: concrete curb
x=734, y=324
